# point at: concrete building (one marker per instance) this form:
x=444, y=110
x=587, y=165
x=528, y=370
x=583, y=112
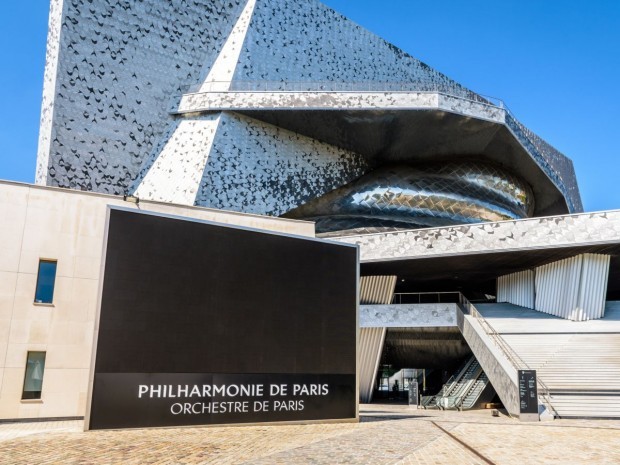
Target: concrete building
x=544, y=294
x=65, y=228
x=286, y=109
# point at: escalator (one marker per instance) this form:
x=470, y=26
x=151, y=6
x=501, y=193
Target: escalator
x=465, y=390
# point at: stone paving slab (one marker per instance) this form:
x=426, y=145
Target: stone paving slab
x=387, y=434
x=15, y=430
x=522, y=443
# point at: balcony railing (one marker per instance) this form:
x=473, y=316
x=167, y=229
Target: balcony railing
x=426, y=297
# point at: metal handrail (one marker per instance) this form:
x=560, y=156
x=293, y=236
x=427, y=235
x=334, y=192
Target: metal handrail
x=438, y=294
x=472, y=387
x=517, y=362
x=456, y=379
x=448, y=402
x=426, y=400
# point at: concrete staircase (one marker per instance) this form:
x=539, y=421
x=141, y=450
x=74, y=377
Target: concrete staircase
x=582, y=371
x=578, y=361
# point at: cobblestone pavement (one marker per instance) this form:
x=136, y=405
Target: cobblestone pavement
x=387, y=434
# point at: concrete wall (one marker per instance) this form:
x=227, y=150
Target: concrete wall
x=501, y=373
x=408, y=315
x=573, y=288
x=67, y=226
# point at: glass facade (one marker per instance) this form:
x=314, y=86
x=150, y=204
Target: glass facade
x=33, y=379
x=45, y=282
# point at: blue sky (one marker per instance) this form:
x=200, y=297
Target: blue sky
x=555, y=63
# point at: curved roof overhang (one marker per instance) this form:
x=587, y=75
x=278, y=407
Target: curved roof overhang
x=410, y=127
x=474, y=254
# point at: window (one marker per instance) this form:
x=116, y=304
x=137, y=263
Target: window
x=33, y=379
x=45, y=282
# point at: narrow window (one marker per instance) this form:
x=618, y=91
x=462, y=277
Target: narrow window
x=33, y=379
x=45, y=282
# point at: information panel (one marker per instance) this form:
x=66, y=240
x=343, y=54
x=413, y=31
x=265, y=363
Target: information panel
x=413, y=392
x=202, y=323
x=528, y=393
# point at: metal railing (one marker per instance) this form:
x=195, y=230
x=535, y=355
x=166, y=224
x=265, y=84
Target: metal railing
x=425, y=401
x=514, y=358
x=426, y=297
x=451, y=402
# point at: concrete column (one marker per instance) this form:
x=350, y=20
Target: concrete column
x=373, y=290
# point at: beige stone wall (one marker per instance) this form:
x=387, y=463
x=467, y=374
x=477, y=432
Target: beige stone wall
x=67, y=226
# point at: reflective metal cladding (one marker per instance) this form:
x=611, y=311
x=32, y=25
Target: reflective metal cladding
x=404, y=196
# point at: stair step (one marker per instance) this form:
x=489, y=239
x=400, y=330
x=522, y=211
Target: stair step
x=585, y=365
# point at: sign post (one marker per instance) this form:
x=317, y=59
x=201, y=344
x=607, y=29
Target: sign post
x=528, y=396
x=413, y=392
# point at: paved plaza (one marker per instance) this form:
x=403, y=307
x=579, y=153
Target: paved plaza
x=387, y=434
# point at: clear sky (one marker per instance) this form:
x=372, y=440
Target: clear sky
x=555, y=63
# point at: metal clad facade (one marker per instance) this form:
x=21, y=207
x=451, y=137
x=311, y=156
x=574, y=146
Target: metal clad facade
x=377, y=289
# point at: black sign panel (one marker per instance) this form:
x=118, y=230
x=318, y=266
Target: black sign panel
x=174, y=399
x=201, y=304
x=528, y=392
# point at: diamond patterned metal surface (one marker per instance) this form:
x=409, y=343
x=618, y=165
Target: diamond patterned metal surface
x=400, y=197
x=534, y=233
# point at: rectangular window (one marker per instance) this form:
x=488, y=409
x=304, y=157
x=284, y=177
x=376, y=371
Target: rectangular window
x=33, y=379
x=45, y=282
